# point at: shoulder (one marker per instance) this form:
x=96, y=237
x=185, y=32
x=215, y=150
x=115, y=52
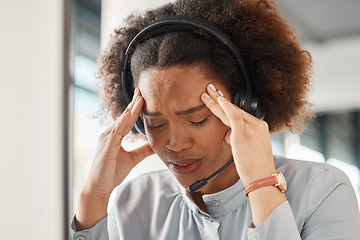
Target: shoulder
x=310, y=184
x=305, y=172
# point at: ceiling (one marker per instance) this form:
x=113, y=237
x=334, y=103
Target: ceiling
x=322, y=20
x=314, y=20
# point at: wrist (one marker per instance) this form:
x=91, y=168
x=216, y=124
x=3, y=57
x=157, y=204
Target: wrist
x=263, y=201
x=249, y=178
x=276, y=180
x=90, y=210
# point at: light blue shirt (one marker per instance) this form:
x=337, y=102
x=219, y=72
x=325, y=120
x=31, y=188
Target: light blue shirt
x=321, y=204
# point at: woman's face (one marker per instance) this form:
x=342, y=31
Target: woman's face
x=181, y=130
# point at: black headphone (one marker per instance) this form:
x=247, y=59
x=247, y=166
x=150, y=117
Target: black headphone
x=244, y=99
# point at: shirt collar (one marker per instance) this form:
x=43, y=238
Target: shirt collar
x=220, y=203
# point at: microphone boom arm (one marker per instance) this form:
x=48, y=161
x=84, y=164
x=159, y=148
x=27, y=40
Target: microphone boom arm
x=200, y=183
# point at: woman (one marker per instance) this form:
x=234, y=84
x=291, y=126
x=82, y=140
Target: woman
x=191, y=84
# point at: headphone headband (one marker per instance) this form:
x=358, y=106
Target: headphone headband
x=181, y=23
x=188, y=23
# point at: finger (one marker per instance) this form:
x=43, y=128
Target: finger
x=210, y=100
x=142, y=152
x=136, y=95
x=112, y=145
x=215, y=108
x=230, y=109
x=122, y=131
x=134, y=114
x=118, y=131
x=213, y=93
x=130, y=106
x=234, y=113
x=109, y=129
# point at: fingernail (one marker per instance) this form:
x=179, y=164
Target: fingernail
x=138, y=98
x=126, y=111
x=220, y=93
x=205, y=95
x=211, y=87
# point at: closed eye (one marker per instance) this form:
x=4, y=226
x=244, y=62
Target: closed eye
x=196, y=124
x=157, y=126
x=199, y=123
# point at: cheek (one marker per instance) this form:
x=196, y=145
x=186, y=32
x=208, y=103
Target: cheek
x=151, y=138
x=214, y=135
x=211, y=137
x=156, y=142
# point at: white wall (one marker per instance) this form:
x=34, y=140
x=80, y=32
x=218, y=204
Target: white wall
x=31, y=185
x=113, y=12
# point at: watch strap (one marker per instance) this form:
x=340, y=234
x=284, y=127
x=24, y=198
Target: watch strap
x=268, y=181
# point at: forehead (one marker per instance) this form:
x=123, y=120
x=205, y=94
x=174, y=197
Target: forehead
x=173, y=79
x=175, y=87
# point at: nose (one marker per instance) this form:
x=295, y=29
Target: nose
x=179, y=140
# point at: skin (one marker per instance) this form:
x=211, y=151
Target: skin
x=227, y=132
x=190, y=135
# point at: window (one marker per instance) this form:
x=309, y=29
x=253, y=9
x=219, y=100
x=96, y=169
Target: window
x=333, y=138
x=86, y=105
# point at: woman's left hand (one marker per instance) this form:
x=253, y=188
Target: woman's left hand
x=248, y=137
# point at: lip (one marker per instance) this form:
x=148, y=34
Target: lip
x=185, y=166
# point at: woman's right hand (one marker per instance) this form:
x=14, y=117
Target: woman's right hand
x=111, y=165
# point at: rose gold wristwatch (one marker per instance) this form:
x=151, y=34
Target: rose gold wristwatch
x=277, y=180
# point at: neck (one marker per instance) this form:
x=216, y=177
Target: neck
x=197, y=198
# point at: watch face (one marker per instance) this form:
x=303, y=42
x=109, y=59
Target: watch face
x=283, y=184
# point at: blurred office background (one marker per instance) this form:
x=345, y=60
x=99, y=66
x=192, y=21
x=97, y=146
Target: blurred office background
x=49, y=119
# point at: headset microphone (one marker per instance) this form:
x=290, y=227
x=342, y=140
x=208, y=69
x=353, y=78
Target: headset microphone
x=200, y=183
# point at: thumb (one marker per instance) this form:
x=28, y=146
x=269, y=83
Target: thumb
x=227, y=137
x=142, y=152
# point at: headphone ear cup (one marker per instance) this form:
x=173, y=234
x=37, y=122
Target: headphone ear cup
x=242, y=101
x=237, y=99
x=139, y=126
x=251, y=106
x=256, y=109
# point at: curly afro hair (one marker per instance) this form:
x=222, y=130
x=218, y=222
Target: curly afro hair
x=279, y=69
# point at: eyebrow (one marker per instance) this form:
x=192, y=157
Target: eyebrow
x=185, y=112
